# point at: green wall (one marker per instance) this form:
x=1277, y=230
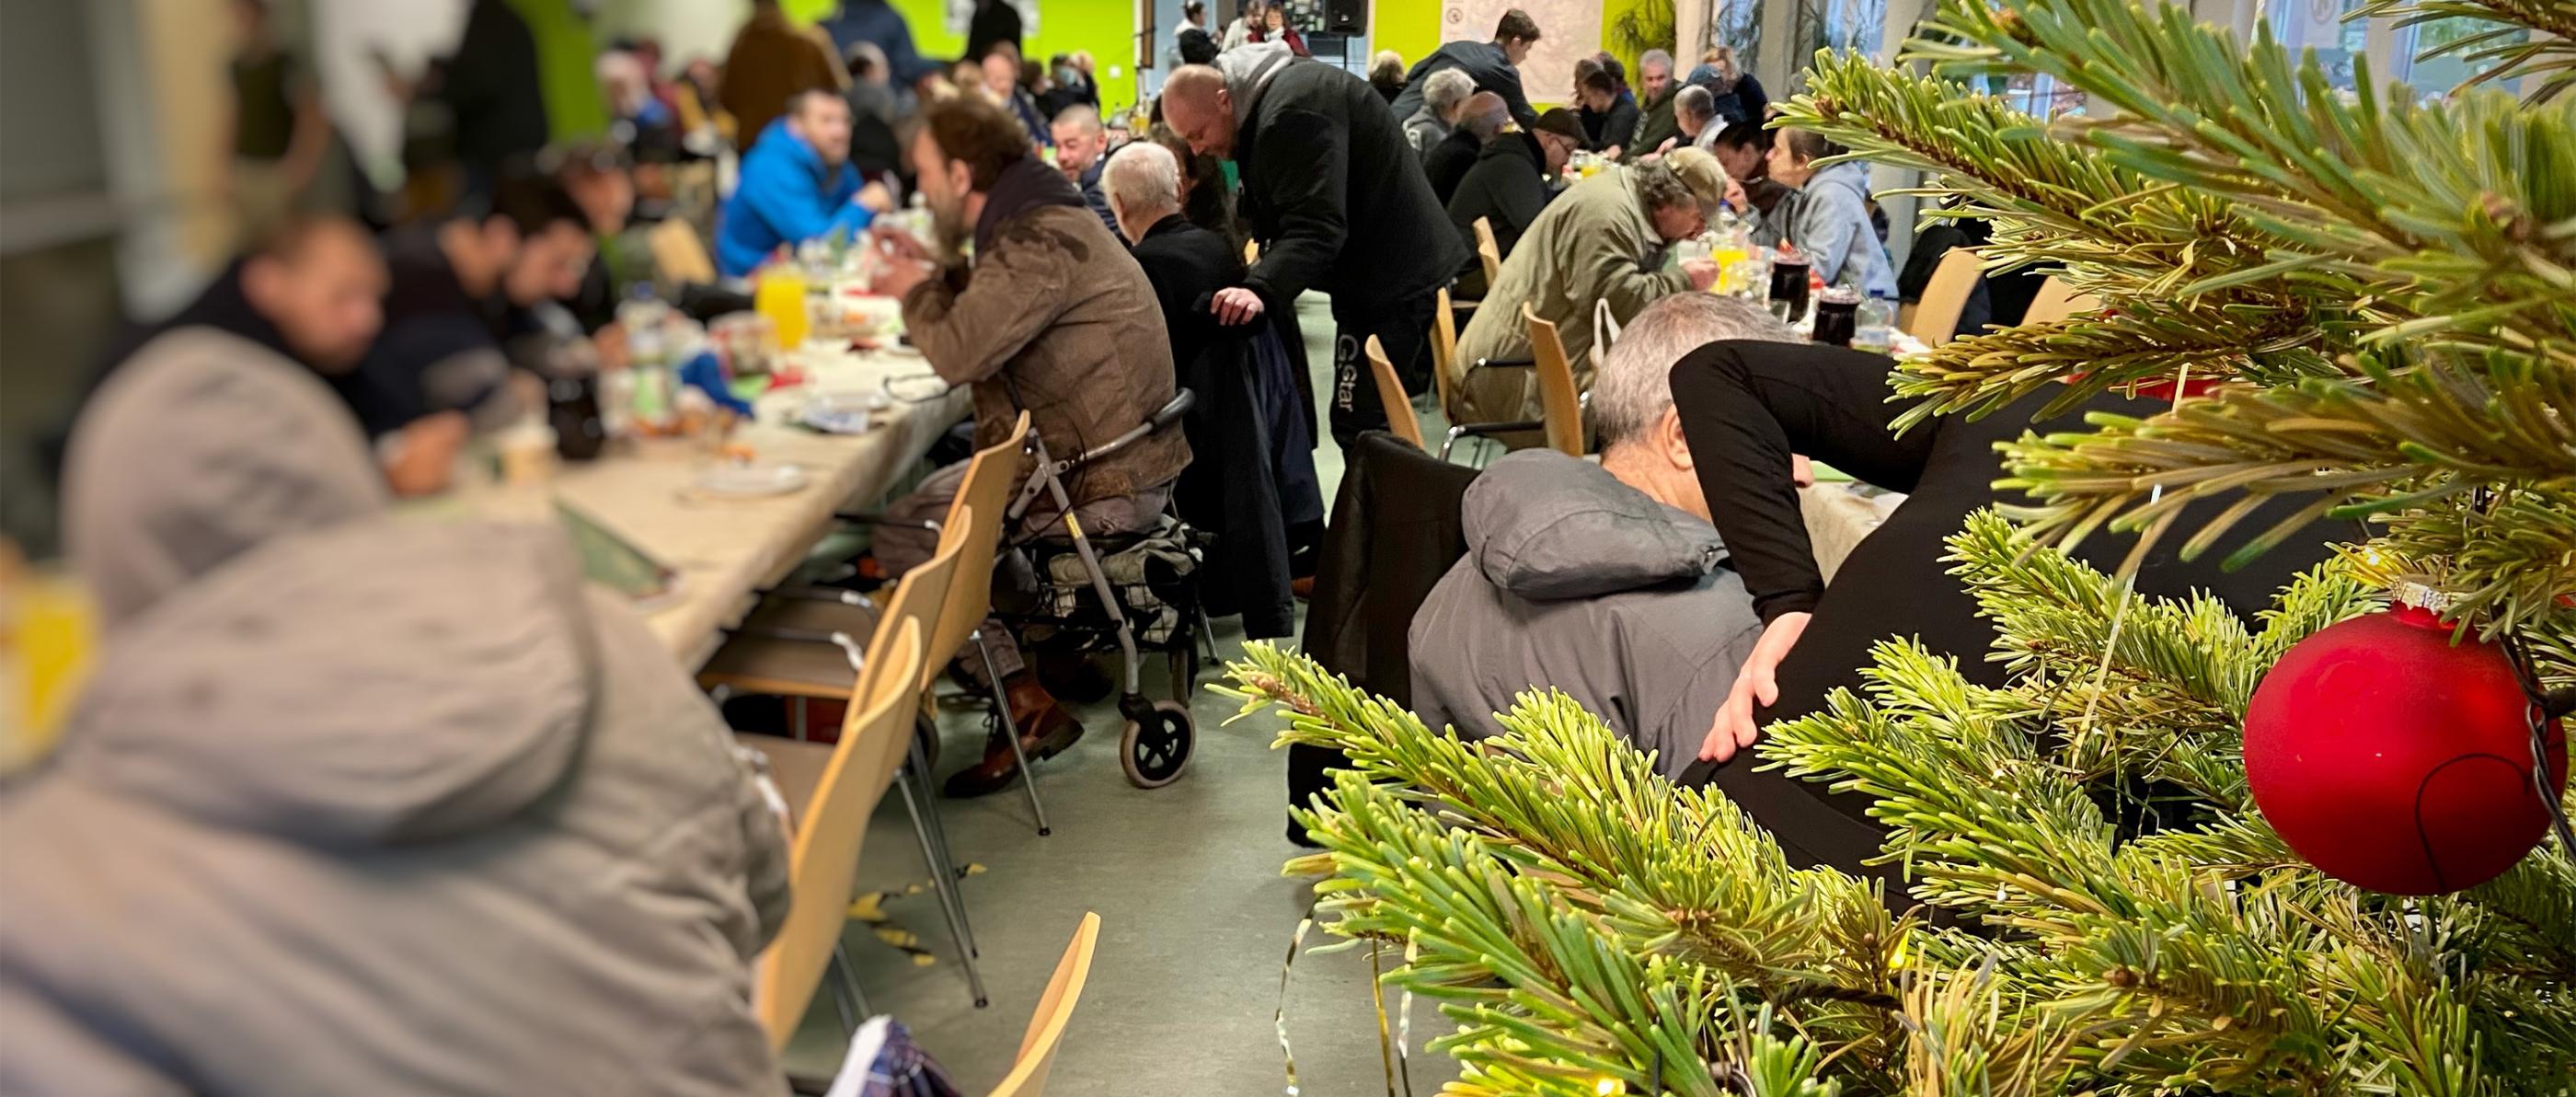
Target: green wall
x=1107, y=28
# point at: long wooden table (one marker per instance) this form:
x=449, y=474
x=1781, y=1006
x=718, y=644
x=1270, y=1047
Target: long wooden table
x=726, y=549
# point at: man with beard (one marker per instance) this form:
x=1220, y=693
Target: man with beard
x=797, y=185
x=1657, y=122
x=1340, y=202
x=1051, y=317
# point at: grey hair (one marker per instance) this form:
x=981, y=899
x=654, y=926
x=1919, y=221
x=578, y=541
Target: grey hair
x=1634, y=387
x=1142, y=180
x=1080, y=116
x=1698, y=102
x=1655, y=57
x=1445, y=89
x=1662, y=188
x=1486, y=116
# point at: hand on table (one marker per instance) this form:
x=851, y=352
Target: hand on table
x=1236, y=305
x=1701, y=272
x=424, y=458
x=1757, y=684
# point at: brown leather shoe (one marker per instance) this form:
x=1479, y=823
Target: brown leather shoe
x=1046, y=729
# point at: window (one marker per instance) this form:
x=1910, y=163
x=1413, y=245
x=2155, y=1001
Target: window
x=1737, y=23
x=2437, y=76
x=2320, y=25
x=1844, y=26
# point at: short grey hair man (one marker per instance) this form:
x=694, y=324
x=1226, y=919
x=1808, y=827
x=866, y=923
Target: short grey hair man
x=1143, y=185
x=1486, y=115
x=1444, y=91
x=1694, y=108
x=1632, y=397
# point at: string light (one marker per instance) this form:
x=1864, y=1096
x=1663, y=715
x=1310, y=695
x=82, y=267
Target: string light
x=1609, y=1087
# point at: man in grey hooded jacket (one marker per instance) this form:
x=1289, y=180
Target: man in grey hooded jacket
x=1606, y=581
x=358, y=802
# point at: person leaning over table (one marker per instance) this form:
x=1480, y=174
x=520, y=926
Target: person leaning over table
x=1510, y=185
x=359, y=801
x=1339, y=203
x=1051, y=316
x=1495, y=66
x=1446, y=166
x=1827, y=216
x=1604, y=239
x=1603, y=580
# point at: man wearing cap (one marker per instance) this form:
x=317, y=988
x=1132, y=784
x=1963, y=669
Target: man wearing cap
x=1606, y=238
x=1508, y=185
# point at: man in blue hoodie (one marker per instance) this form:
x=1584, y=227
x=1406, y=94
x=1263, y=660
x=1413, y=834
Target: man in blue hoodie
x=796, y=185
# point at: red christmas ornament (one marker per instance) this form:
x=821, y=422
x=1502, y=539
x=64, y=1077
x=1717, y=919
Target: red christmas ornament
x=2395, y=760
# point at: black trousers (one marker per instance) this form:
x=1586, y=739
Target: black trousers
x=1403, y=328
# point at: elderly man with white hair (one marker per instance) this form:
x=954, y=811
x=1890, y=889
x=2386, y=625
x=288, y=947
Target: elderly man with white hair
x=1606, y=580
x=1442, y=101
x=1186, y=263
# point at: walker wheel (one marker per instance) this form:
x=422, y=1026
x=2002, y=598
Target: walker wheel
x=1155, y=753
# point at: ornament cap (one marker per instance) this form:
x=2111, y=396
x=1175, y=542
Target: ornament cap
x=2422, y=596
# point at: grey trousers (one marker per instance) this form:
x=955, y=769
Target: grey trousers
x=903, y=545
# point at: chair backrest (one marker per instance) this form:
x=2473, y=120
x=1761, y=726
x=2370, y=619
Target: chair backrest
x=679, y=256
x=2057, y=300
x=823, y=858
x=1936, y=315
x=1444, y=353
x=1400, y=420
x=1038, y=1046
x=1489, y=253
x=1559, y=405
x=976, y=517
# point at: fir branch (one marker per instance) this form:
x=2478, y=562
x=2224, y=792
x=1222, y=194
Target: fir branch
x=2547, y=51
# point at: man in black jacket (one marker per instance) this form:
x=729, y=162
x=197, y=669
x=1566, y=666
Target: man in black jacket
x=1494, y=65
x=1508, y=185
x=1483, y=118
x=1339, y=203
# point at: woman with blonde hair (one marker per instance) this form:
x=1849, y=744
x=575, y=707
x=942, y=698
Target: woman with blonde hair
x=1738, y=94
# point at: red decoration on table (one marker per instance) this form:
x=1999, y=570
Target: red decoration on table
x=2395, y=760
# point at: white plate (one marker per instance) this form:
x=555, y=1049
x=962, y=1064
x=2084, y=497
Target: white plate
x=751, y=481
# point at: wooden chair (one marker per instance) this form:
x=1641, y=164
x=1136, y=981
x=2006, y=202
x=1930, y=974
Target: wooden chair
x=1489, y=253
x=1936, y=315
x=679, y=256
x=1560, y=406
x=982, y=498
x=1038, y=1046
x=1400, y=420
x=831, y=792
x=2056, y=301
x=1444, y=354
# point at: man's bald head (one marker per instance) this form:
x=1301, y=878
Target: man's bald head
x=1485, y=115
x=1197, y=106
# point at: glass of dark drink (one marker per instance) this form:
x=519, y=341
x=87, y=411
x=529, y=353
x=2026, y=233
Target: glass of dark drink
x=1837, y=315
x=1789, y=286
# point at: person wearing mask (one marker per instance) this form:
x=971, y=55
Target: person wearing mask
x=1827, y=216
x=1340, y=203
x=1001, y=69
x=1739, y=97
x=1744, y=150
x=1480, y=119
x=1386, y=74
x=1508, y=186
x=1609, y=114
x=1054, y=318
x=461, y=292
x=1246, y=28
x=796, y=186
x=1603, y=580
x=772, y=62
x=1442, y=103
x=1657, y=121
x=1081, y=152
x=1494, y=65
x=362, y=802
x=1604, y=239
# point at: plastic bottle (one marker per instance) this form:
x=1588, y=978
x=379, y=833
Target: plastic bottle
x=1875, y=329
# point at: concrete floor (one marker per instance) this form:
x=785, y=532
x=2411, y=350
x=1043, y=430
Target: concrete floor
x=1196, y=918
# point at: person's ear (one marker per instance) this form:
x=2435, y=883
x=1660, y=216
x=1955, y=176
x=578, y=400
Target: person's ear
x=1675, y=444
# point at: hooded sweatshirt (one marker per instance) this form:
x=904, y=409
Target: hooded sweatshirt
x=359, y=802
x=1578, y=582
x=1828, y=219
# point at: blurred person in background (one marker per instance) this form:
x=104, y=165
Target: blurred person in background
x=1508, y=186
x=1081, y=153
x=1193, y=20
x=1386, y=74
x=991, y=24
x=280, y=135
x=1442, y=104
x=1246, y=28
x=493, y=93
x=642, y=121
x=772, y=62
x=1657, y=121
x=600, y=178
x=1001, y=69
x=876, y=23
x=1606, y=238
x=1744, y=150
x=1340, y=204
x=310, y=291
x=1053, y=317
x=1480, y=119
x=1828, y=216
x=363, y=802
x=1494, y=65
x=1275, y=28
x=1739, y=97
x=796, y=186
x=1609, y=114
x=461, y=292
x=1195, y=47
x=877, y=106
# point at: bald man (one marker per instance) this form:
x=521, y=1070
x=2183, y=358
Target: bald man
x=1339, y=203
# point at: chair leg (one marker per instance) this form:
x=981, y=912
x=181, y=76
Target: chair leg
x=849, y=985
x=1010, y=729
x=841, y=988
x=943, y=880
x=939, y=837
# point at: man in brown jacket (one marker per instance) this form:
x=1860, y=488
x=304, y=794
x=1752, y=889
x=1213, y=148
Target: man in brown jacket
x=1051, y=316
x=772, y=61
